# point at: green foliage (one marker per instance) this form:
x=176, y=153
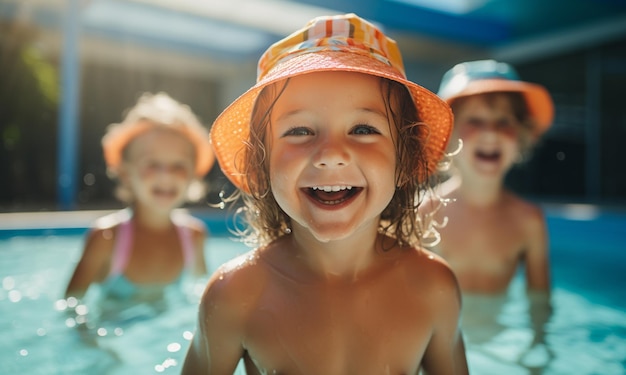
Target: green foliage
x=29, y=97
x=43, y=73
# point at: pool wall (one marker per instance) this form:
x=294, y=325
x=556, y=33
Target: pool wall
x=77, y=222
x=579, y=228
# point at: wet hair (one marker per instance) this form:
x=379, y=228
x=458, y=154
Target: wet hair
x=265, y=221
x=521, y=113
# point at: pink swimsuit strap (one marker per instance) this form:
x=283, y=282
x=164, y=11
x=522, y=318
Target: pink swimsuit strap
x=186, y=242
x=122, y=247
x=124, y=241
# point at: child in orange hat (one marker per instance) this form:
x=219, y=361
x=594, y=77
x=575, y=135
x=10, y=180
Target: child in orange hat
x=159, y=154
x=489, y=230
x=329, y=150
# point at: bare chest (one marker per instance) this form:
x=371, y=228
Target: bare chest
x=496, y=236
x=337, y=331
x=155, y=258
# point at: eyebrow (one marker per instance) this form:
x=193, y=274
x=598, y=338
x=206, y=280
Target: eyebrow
x=376, y=111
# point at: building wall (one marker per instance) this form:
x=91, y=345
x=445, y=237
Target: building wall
x=578, y=160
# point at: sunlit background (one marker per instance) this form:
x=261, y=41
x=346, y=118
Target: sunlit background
x=68, y=68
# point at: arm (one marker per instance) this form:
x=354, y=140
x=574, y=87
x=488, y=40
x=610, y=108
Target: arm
x=199, y=239
x=445, y=354
x=94, y=263
x=216, y=347
x=537, y=261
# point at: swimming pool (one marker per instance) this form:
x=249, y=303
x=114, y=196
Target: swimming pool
x=585, y=334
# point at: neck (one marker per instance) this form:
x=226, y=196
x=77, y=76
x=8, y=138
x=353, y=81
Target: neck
x=152, y=219
x=481, y=191
x=337, y=259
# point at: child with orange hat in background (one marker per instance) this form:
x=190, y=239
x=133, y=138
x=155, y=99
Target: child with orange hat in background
x=487, y=231
x=159, y=154
x=329, y=150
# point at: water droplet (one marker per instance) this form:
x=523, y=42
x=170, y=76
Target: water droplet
x=170, y=362
x=173, y=347
x=60, y=305
x=15, y=296
x=8, y=283
x=82, y=310
x=72, y=302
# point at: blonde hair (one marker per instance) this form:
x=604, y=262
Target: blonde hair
x=154, y=111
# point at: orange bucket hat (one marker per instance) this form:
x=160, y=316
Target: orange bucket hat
x=484, y=76
x=152, y=111
x=330, y=43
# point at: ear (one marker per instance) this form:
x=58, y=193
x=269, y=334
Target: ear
x=120, y=173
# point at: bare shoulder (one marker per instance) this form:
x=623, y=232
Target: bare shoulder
x=236, y=282
x=531, y=214
x=184, y=218
x=103, y=230
x=429, y=271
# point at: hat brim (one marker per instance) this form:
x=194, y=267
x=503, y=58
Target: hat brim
x=230, y=130
x=118, y=137
x=539, y=101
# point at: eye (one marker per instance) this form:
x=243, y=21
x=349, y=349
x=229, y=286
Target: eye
x=180, y=168
x=365, y=130
x=475, y=122
x=152, y=165
x=504, y=124
x=298, y=131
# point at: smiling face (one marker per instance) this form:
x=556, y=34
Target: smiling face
x=158, y=167
x=332, y=156
x=491, y=135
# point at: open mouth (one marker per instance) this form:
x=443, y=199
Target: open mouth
x=492, y=156
x=332, y=195
x=164, y=193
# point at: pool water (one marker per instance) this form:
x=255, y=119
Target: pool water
x=584, y=334
x=40, y=335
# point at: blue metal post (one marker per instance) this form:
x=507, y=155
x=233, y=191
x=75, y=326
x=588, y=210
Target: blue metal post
x=68, y=131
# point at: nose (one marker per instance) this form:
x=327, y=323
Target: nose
x=164, y=170
x=490, y=130
x=331, y=153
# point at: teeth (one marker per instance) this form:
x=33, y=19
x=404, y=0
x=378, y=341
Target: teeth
x=328, y=188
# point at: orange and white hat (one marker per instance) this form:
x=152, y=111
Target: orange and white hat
x=158, y=110
x=329, y=43
x=484, y=76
